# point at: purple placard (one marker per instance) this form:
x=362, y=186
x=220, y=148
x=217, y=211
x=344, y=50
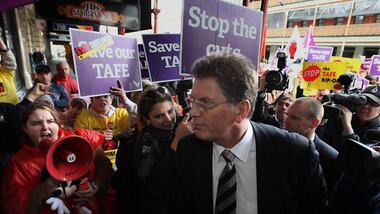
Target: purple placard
x=162, y=52
x=359, y=83
x=375, y=66
x=7, y=5
x=144, y=68
x=366, y=64
x=319, y=54
x=215, y=25
x=101, y=59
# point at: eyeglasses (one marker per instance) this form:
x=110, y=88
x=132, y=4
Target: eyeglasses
x=203, y=106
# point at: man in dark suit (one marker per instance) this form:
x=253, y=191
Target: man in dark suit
x=304, y=116
x=232, y=165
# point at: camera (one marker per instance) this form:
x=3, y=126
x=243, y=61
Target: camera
x=276, y=79
x=350, y=101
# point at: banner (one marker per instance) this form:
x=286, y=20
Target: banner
x=162, y=52
x=375, y=66
x=321, y=75
x=214, y=26
x=353, y=65
x=144, y=68
x=319, y=54
x=101, y=59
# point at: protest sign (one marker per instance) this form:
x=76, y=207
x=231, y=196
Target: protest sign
x=144, y=68
x=101, y=59
x=366, y=64
x=214, y=26
x=359, y=83
x=162, y=52
x=353, y=65
x=321, y=75
x=319, y=54
x=375, y=66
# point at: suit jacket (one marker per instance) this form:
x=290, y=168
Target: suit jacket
x=327, y=157
x=289, y=177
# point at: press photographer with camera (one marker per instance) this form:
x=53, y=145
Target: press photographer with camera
x=273, y=80
x=365, y=117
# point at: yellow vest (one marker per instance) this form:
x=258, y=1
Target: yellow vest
x=8, y=92
x=118, y=122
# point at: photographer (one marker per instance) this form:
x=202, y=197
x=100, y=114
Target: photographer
x=356, y=126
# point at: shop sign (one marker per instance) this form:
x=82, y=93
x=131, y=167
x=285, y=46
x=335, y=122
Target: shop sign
x=64, y=27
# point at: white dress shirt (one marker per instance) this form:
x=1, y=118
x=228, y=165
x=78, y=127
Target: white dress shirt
x=245, y=164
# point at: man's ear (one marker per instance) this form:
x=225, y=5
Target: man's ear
x=315, y=123
x=34, y=75
x=242, y=111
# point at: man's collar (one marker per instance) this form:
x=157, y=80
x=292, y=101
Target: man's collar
x=242, y=148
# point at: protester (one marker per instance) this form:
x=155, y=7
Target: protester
x=77, y=105
x=146, y=162
x=57, y=92
x=63, y=78
x=26, y=186
x=105, y=118
x=8, y=92
x=264, y=169
x=10, y=124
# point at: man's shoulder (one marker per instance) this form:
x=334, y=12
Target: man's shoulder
x=273, y=136
x=192, y=142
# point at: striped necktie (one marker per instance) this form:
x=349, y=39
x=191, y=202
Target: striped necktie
x=226, y=195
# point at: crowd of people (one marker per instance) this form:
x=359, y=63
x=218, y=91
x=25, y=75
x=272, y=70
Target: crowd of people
x=221, y=149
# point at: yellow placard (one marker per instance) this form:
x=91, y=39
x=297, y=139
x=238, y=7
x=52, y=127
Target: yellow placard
x=111, y=155
x=329, y=72
x=353, y=64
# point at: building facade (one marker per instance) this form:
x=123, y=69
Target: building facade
x=351, y=27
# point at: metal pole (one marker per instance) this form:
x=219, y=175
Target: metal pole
x=155, y=12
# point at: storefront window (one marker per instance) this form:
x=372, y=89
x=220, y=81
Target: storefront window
x=359, y=19
x=348, y=52
x=276, y=20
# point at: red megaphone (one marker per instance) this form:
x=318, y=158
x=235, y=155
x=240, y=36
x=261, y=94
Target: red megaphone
x=69, y=158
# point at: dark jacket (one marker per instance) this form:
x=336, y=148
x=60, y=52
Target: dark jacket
x=145, y=172
x=327, y=158
x=289, y=177
x=262, y=113
x=361, y=130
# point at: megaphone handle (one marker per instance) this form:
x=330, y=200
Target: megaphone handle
x=69, y=205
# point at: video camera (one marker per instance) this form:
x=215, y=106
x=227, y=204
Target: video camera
x=349, y=99
x=276, y=79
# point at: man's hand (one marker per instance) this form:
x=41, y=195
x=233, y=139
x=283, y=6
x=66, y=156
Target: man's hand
x=346, y=117
x=85, y=193
x=108, y=133
x=120, y=92
x=38, y=90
